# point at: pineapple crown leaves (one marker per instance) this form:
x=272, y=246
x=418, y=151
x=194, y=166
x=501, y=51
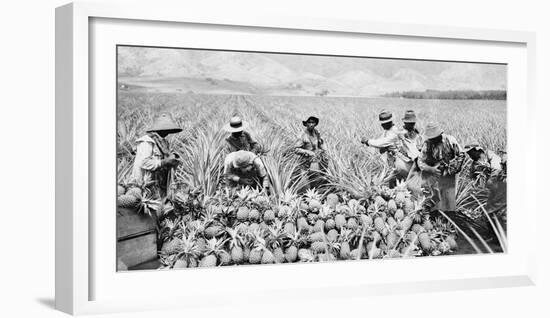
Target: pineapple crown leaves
x=276, y=235
x=235, y=238
x=312, y=194
x=214, y=246
x=325, y=211
x=189, y=248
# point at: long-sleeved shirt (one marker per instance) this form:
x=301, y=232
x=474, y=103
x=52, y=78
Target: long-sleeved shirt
x=243, y=142
x=309, y=142
x=487, y=165
x=258, y=170
x=148, y=160
x=440, y=153
x=412, y=143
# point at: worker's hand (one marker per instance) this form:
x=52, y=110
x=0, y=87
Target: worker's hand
x=435, y=170
x=365, y=141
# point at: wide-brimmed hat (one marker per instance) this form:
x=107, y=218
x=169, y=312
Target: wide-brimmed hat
x=410, y=117
x=242, y=158
x=311, y=119
x=432, y=130
x=165, y=122
x=235, y=124
x=385, y=117
x=471, y=145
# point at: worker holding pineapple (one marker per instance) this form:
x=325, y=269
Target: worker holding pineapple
x=311, y=147
x=390, y=145
x=485, y=163
x=154, y=159
x=244, y=168
x=440, y=160
x=239, y=138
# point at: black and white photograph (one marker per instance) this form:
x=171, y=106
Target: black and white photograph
x=230, y=158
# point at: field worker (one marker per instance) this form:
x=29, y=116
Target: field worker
x=485, y=163
x=154, y=160
x=412, y=139
x=240, y=139
x=440, y=160
x=244, y=168
x=391, y=147
x=311, y=147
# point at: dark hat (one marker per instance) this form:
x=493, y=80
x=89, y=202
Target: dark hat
x=432, y=130
x=235, y=124
x=311, y=119
x=385, y=117
x=165, y=123
x=471, y=145
x=410, y=117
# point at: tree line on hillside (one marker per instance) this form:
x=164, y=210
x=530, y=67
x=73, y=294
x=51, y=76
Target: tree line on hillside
x=450, y=94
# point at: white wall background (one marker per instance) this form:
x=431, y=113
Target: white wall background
x=27, y=126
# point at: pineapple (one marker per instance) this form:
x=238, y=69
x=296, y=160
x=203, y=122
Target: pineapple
x=428, y=225
x=340, y=221
x=213, y=231
x=319, y=226
x=392, y=239
x=127, y=201
x=312, y=195
x=312, y=218
x=255, y=256
x=392, y=206
x=242, y=214
x=352, y=223
x=267, y=257
x=254, y=215
x=332, y=200
x=208, y=261
x=284, y=211
x=314, y=205
x=399, y=214
x=291, y=254
x=379, y=224
x=332, y=235
x=417, y=228
x=236, y=244
x=302, y=224
x=269, y=216
x=393, y=254
x=237, y=254
x=330, y=224
x=289, y=228
x=224, y=257
x=366, y=220
x=444, y=247
x=180, y=263
x=345, y=250
x=380, y=202
x=392, y=223
x=172, y=247
x=319, y=247
x=316, y=237
x=408, y=206
x=279, y=255
x=406, y=223
x=305, y=255
x=452, y=243
x=425, y=241
x=357, y=253
x=135, y=191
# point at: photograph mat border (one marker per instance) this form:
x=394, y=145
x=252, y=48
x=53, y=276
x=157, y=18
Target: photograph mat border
x=72, y=130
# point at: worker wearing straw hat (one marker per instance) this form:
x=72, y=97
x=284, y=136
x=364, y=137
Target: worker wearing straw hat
x=412, y=139
x=154, y=159
x=311, y=147
x=239, y=138
x=244, y=168
x=485, y=163
x=390, y=146
x=440, y=160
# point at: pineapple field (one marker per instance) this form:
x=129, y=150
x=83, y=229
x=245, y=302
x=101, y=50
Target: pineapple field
x=351, y=215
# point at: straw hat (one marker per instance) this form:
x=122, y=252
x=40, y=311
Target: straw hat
x=242, y=158
x=165, y=123
x=385, y=117
x=410, y=117
x=235, y=124
x=432, y=130
x=311, y=119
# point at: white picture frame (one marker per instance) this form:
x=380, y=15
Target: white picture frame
x=75, y=271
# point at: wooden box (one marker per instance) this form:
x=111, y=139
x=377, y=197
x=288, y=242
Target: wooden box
x=136, y=239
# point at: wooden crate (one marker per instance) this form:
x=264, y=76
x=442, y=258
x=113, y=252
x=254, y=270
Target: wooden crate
x=136, y=239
